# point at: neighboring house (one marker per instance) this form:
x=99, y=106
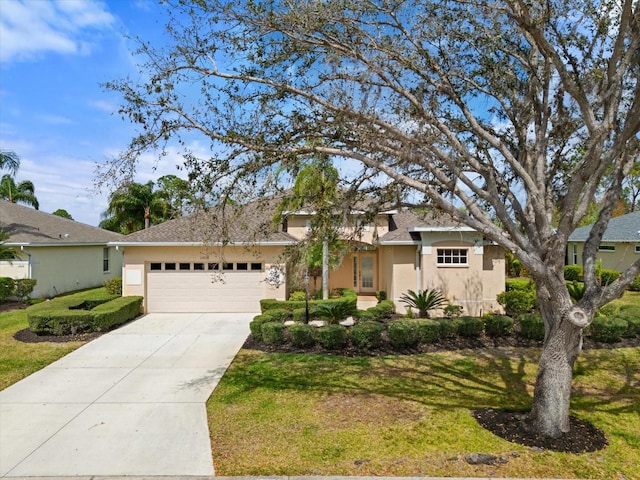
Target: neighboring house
x=60, y=254
x=620, y=245
x=190, y=265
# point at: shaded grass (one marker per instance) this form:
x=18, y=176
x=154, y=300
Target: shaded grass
x=285, y=414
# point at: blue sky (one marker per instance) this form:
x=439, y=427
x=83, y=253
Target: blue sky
x=54, y=114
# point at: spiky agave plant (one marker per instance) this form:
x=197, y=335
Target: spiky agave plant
x=424, y=300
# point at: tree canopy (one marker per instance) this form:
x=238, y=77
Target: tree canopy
x=519, y=112
x=21, y=192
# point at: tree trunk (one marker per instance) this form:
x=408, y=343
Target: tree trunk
x=325, y=269
x=562, y=345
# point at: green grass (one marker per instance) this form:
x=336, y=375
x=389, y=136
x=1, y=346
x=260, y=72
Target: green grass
x=288, y=414
x=19, y=360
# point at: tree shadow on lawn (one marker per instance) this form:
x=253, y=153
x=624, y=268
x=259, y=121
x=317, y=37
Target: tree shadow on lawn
x=495, y=386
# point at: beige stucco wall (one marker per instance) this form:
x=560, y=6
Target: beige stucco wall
x=64, y=269
x=297, y=227
x=137, y=260
x=620, y=260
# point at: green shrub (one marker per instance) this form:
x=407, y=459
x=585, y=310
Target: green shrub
x=334, y=312
x=607, y=329
x=632, y=317
x=635, y=285
x=386, y=308
x=424, y=300
x=267, y=304
x=517, y=302
x=115, y=313
x=428, y=330
x=453, y=311
x=302, y=335
x=573, y=273
x=273, y=333
x=300, y=315
x=447, y=329
x=469, y=326
x=609, y=276
x=369, y=315
x=23, y=287
x=524, y=284
x=498, y=325
x=403, y=333
x=298, y=296
x=381, y=295
x=280, y=314
x=366, y=335
x=256, y=325
x=531, y=326
x=332, y=337
x=114, y=286
x=7, y=287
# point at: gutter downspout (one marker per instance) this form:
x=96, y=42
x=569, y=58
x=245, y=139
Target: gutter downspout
x=418, y=269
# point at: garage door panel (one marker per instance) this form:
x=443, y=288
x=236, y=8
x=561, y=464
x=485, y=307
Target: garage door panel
x=234, y=291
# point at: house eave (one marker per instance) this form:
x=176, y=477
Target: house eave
x=441, y=229
x=200, y=244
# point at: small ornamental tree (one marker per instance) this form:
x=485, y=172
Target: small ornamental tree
x=522, y=113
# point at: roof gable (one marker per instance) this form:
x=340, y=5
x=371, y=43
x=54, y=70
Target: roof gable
x=27, y=226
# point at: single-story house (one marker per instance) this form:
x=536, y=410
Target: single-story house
x=60, y=254
x=190, y=265
x=620, y=245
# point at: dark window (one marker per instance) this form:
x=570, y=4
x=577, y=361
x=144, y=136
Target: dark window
x=155, y=266
x=169, y=266
x=198, y=266
x=242, y=266
x=185, y=266
x=213, y=266
x=452, y=256
x=105, y=259
x=227, y=266
x=256, y=266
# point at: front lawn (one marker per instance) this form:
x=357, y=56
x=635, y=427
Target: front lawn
x=302, y=414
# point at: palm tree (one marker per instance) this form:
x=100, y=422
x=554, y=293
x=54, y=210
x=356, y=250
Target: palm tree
x=22, y=192
x=6, y=253
x=424, y=300
x=9, y=161
x=135, y=206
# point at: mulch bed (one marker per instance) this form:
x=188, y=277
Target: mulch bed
x=27, y=336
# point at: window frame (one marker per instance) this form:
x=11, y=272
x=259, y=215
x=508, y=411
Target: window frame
x=454, y=253
x=106, y=260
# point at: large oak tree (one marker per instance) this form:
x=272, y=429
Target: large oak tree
x=518, y=111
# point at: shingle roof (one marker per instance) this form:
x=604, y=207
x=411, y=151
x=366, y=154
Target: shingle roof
x=402, y=221
x=251, y=224
x=27, y=226
x=623, y=229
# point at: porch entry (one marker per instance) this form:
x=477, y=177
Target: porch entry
x=364, y=272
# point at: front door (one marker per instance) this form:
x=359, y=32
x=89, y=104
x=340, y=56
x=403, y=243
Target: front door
x=364, y=272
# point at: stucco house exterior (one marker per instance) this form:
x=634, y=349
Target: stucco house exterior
x=61, y=254
x=190, y=265
x=620, y=245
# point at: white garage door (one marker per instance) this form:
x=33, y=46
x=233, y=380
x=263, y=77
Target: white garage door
x=185, y=289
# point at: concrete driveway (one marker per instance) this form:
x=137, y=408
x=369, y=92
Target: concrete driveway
x=131, y=402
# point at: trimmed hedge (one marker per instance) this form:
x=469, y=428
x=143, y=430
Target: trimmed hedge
x=428, y=330
x=447, y=329
x=256, y=325
x=573, y=273
x=609, y=276
x=531, y=326
x=403, y=333
x=332, y=337
x=273, y=333
x=516, y=302
x=66, y=315
x=607, y=329
x=470, y=327
x=498, y=325
x=7, y=286
x=302, y=335
x=366, y=335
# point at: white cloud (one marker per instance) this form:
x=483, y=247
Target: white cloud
x=103, y=105
x=30, y=28
x=54, y=119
